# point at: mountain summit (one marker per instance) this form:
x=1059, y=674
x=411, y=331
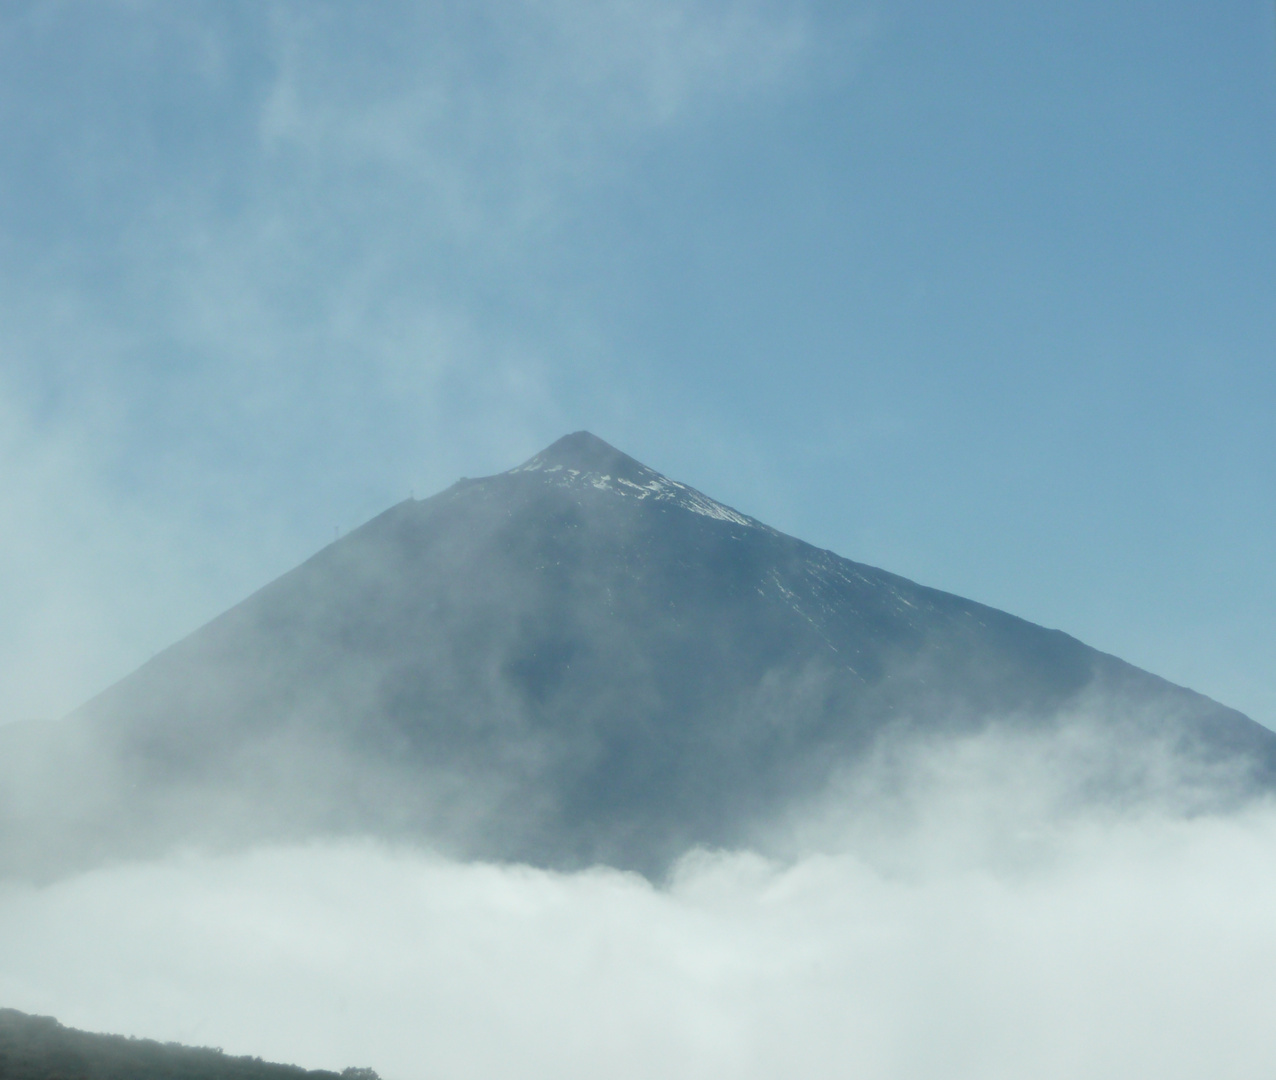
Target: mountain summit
x=573, y=662
x=587, y=453
x=584, y=459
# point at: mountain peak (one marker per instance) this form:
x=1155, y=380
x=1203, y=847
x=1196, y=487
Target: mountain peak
x=585, y=452
x=578, y=661
x=582, y=460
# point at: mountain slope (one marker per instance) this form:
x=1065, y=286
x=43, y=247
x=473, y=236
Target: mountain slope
x=579, y=660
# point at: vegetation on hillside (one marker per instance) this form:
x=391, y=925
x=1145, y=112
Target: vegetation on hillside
x=39, y=1048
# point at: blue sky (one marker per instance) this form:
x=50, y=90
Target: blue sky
x=983, y=297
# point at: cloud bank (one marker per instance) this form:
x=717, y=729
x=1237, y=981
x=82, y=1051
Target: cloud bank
x=953, y=925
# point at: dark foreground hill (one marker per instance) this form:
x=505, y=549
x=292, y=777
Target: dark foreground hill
x=576, y=661
x=39, y=1048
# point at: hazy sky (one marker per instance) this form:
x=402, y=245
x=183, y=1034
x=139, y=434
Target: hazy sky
x=984, y=299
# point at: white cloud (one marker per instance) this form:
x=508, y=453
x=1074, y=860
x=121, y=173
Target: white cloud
x=69, y=626
x=507, y=108
x=1042, y=941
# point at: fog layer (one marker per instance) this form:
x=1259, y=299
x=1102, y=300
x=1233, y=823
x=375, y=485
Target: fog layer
x=960, y=910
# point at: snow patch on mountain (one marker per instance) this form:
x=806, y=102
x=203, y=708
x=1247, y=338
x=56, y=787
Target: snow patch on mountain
x=641, y=483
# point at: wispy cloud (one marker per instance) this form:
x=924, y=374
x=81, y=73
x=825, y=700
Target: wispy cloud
x=267, y=269
x=1019, y=937
x=498, y=113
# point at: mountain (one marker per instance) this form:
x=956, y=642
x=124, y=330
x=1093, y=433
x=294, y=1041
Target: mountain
x=576, y=661
x=39, y=1048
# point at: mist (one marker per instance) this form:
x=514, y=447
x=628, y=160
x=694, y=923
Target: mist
x=962, y=908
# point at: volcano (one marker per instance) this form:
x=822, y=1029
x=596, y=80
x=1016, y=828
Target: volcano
x=578, y=661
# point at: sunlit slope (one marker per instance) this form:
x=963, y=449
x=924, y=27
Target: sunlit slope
x=579, y=660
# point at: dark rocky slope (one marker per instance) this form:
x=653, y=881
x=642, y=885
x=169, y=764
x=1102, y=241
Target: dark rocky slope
x=578, y=660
